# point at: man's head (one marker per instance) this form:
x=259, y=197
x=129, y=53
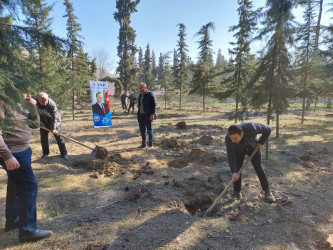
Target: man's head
x=142, y=88
x=236, y=133
x=42, y=98
x=99, y=97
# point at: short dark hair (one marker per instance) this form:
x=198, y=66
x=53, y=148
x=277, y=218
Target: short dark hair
x=235, y=129
x=98, y=93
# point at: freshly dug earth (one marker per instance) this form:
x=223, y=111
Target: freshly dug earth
x=101, y=153
x=141, y=198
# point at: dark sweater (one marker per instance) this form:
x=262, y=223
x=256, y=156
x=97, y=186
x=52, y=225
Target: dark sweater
x=49, y=115
x=251, y=130
x=149, y=104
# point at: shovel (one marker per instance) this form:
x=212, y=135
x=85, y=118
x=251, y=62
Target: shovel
x=230, y=183
x=99, y=150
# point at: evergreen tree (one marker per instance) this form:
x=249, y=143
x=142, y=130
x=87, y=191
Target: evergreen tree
x=180, y=68
x=153, y=66
x=269, y=83
x=164, y=76
x=147, y=76
x=74, y=52
x=306, y=37
x=220, y=60
x=126, y=48
x=239, y=68
x=204, y=72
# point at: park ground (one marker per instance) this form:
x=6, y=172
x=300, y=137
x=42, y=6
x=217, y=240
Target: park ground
x=154, y=199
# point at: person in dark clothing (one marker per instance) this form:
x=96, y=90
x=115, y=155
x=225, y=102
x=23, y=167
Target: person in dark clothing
x=123, y=98
x=241, y=140
x=99, y=107
x=15, y=157
x=146, y=114
x=132, y=99
x=50, y=118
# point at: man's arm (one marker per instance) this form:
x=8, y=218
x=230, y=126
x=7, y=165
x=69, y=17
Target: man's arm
x=264, y=130
x=54, y=113
x=231, y=154
x=153, y=106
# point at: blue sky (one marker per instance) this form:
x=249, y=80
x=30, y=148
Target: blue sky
x=155, y=23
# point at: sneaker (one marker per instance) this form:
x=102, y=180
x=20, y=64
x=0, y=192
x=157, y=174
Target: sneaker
x=142, y=146
x=35, y=236
x=151, y=147
x=45, y=156
x=269, y=197
x=235, y=196
x=65, y=157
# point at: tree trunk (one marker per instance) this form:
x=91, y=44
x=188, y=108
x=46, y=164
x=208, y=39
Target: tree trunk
x=277, y=125
x=315, y=46
x=203, y=103
x=303, y=110
x=165, y=97
x=269, y=111
x=315, y=107
x=180, y=97
x=236, y=113
x=73, y=104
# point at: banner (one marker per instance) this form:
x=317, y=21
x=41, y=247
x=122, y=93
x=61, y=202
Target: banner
x=100, y=102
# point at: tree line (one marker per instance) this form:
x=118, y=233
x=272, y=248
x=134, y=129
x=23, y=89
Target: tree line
x=295, y=59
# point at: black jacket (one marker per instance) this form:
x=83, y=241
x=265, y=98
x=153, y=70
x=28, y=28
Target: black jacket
x=149, y=104
x=98, y=110
x=236, y=151
x=49, y=115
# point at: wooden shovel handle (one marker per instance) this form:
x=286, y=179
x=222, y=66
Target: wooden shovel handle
x=68, y=138
x=230, y=183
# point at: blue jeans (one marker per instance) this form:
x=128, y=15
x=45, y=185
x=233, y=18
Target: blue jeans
x=146, y=125
x=21, y=196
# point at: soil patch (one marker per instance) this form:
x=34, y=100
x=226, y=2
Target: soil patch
x=101, y=153
x=172, y=144
x=206, y=140
x=181, y=125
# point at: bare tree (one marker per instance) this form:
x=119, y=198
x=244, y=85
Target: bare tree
x=104, y=63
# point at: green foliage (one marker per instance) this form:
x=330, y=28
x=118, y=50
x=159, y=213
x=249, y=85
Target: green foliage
x=126, y=48
x=204, y=73
x=239, y=69
x=117, y=84
x=147, y=76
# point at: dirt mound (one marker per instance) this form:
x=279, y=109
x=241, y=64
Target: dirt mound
x=172, y=144
x=113, y=165
x=101, y=153
x=181, y=125
x=206, y=140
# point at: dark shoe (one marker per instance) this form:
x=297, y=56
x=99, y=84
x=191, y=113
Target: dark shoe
x=11, y=227
x=269, y=197
x=142, y=146
x=35, y=236
x=45, y=156
x=235, y=196
x=65, y=157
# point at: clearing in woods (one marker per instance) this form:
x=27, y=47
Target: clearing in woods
x=149, y=199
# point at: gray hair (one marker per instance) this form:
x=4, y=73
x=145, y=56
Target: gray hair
x=42, y=95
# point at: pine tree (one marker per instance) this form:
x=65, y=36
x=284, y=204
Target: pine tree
x=306, y=38
x=75, y=54
x=204, y=72
x=220, y=60
x=164, y=76
x=147, y=76
x=126, y=48
x=239, y=69
x=270, y=82
x=180, y=68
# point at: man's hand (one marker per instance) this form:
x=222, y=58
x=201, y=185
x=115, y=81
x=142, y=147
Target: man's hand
x=151, y=118
x=259, y=145
x=30, y=100
x=12, y=163
x=235, y=176
x=53, y=131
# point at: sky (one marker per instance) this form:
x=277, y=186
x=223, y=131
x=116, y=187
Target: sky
x=155, y=23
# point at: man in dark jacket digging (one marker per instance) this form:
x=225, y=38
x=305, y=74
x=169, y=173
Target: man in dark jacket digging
x=241, y=140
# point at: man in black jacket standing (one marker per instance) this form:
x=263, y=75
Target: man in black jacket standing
x=146, y=115
x=50, y=118
x=241, y=140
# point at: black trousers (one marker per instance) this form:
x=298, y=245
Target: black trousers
x=256, y=162
x=44, y=137
x=131, y=106
x=123, y=105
